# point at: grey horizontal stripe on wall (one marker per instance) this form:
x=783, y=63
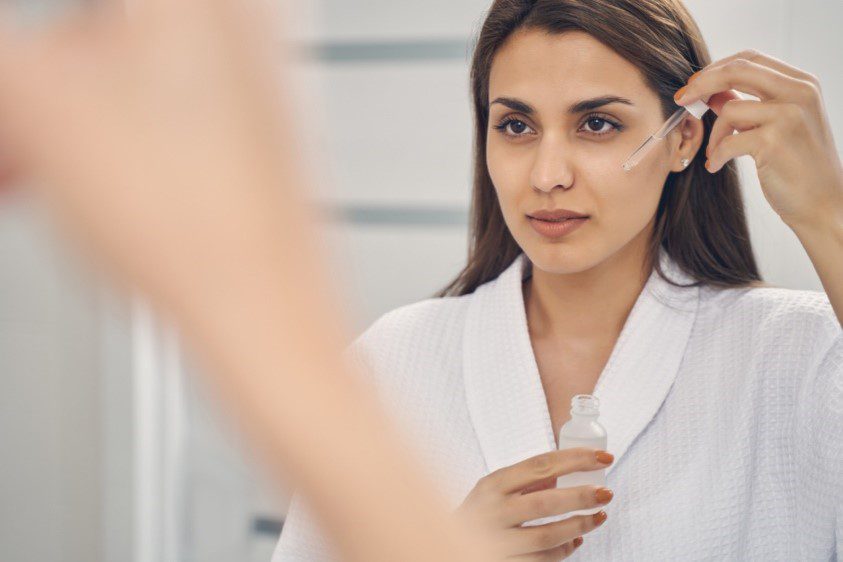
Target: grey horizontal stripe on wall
x=374, y=51
x=267, y=526
x=403, y=216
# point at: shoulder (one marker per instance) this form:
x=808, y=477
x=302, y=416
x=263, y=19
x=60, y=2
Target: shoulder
x=415, y=336
x=426, y=317
x=772, y=311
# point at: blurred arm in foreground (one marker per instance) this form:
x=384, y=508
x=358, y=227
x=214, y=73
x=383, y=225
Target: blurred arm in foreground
x=163, y=146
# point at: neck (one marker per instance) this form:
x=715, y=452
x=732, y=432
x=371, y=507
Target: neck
x=587, y=305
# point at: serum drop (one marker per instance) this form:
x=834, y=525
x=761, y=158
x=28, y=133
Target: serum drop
x=583, y=430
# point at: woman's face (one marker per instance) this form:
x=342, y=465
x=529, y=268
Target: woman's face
x=545, y=154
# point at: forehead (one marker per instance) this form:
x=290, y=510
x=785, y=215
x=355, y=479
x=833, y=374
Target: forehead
x=540, y=68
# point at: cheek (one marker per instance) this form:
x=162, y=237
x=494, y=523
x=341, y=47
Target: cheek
x=626, y=200
x=604, y=157
x=509, y=172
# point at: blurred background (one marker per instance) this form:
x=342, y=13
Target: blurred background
x=110, y=450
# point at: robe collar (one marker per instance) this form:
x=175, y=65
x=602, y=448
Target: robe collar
x=504, y=392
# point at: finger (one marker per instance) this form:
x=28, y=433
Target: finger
x=741, y=144
x=514, y=478
x=546, y=484
x=539, y=538
x=553, y=555
x=718, y=100
x=742, y=75
x=766, y=60
x=740, y=115
x=546, y=503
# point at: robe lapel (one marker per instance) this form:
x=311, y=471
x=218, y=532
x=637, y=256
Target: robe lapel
x=504, y=393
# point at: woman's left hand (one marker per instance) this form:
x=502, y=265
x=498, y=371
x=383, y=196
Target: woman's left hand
x=786, y=131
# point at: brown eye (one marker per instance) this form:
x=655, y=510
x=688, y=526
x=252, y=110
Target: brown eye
x=517, y=127
x=599, y=126
x=596, y=124
x=514, y=128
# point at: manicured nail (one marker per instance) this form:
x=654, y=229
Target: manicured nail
x=600, y=517
x=604, y=457
x=603, y=495
x=708, y=165
x=577, y=542
x=693, y=76
x=679, y=93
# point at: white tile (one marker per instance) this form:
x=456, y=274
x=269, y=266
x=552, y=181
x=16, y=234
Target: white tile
x=354, y=19
x=728, y=26
x=781, y=259
x=817, y=47
x=384, y=267
x=390, y=133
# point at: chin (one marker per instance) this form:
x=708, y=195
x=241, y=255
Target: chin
x=560, y=259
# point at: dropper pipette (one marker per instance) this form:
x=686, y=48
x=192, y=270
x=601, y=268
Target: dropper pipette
x=697, y=109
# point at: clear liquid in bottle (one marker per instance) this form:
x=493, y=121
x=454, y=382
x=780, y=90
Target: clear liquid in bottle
x=583, y=430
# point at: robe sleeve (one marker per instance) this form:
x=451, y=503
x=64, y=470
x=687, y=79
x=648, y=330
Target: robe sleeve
x=832, y=427
x=819, y=454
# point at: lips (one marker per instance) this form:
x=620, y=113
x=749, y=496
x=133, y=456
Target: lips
x=557, y=229
x=556, y=215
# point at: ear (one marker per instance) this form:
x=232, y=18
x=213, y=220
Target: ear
x=687, y=139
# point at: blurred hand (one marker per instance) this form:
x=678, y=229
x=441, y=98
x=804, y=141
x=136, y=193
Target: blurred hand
x=148, y=127
x=501, y=501
x=163, y=144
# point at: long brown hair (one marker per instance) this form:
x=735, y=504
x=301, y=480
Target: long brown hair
x=700, y=218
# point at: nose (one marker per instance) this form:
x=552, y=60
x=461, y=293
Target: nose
x=551, y=167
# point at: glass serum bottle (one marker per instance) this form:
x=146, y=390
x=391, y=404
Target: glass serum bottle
x=583, y=430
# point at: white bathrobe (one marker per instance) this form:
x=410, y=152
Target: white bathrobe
x=724, y=411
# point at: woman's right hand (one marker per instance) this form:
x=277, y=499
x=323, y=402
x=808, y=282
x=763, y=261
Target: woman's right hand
x=504, y=499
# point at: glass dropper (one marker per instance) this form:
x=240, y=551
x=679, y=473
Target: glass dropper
x=697, y=109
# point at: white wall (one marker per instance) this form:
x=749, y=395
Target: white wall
x=50, y=393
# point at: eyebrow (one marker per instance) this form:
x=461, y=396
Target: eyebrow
x=578, y=107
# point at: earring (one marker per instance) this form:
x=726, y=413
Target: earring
x=685, y=162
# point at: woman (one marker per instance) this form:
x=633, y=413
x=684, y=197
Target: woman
x=722, y=397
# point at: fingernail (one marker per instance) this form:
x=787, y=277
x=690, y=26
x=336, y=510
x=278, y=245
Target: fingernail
x=679, y=93
x=604, y=457
x=603, y=495
x=577, y=542
x=693, y=76
x=707, y=148
x=600, y=517
x=707, y=165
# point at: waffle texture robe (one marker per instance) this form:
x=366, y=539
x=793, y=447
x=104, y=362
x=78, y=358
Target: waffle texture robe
x=723, y=407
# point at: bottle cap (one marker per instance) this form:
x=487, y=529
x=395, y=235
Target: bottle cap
x=697, y=109
x=585, y=404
